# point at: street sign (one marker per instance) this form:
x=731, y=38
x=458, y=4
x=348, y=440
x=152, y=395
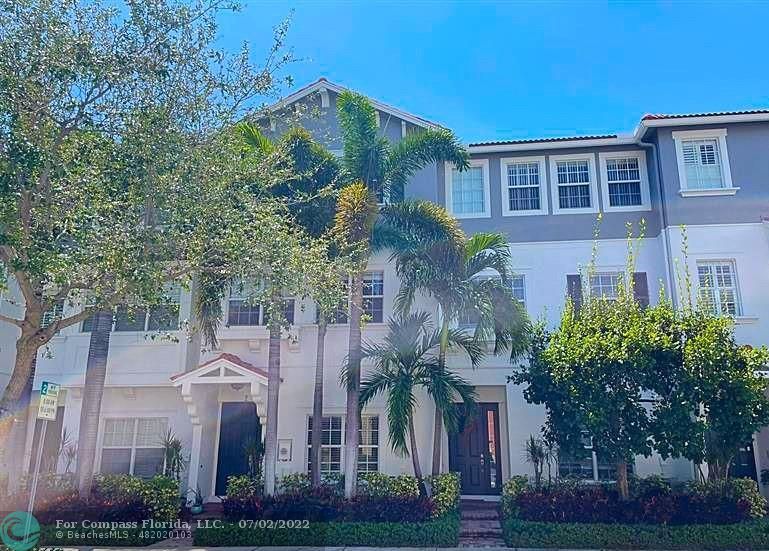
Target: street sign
x=49, y=400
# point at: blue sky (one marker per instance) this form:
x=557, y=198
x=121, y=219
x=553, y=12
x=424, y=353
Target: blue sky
x=501, y=70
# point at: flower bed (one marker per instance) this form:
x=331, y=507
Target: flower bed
x=388, y=511
x=745, y=535
x=653, y=501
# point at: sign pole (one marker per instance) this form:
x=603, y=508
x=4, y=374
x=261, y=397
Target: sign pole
x=49, y=398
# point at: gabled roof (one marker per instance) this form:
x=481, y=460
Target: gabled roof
x=323, y=84
x=224, y=358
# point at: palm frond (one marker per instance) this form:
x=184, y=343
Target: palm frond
x=208, y=306
x=415, y=223
x=420, y=149
x=401, y=404
x=254, y=138
x=488, y=251
x=469, y=344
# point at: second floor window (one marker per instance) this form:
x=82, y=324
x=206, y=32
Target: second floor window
x=718, y=288
x=373, y=296
x=160, y=317
x=523, y=184
x=573, y=184
x=624, y=181
x=702, y=162
x=243, y=310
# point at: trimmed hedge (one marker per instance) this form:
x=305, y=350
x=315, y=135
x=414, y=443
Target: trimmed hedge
x=130, y=537
x=443, y=532
x=746, y=535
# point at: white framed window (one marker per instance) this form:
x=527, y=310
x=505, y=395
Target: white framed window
x=133, y=445
x=605, y=284
x=373, y=296
x=244, y=311
x=718, y=289
x=703, y=163
x=467, y=192
x=518, y=284
x=332, y=444
x=524, y=186
x=624, y=181
x=160, y=317
x=574, y=189
x=590, y=467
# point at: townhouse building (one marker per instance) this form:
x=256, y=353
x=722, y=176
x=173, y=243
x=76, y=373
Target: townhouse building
x=707, y=172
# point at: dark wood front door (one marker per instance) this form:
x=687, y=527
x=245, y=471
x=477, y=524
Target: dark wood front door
x=238, y=428
x=744, y=464
x=474, y=453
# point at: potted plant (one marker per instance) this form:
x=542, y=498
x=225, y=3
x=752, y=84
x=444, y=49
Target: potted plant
x=196, y=507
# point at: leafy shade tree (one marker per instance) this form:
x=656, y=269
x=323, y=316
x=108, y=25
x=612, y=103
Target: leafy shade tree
x=715, y=399
x=111, y=125
x=407, y=361
x=305, y=264
x=384, y=169
x=592, y=375
x=468, y=278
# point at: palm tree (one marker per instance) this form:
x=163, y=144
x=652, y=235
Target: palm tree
x=308, y=191
x=403, y=363
x=467, y=277
x=93, y=390
x=384, y=169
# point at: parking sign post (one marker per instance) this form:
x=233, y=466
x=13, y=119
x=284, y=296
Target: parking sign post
x=46, y=411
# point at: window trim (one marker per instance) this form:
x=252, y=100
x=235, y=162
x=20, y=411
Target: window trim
x=643, y=173
x=484, y=165
x=543, y=185
x=133, y=447
x=739, y=310
x=593, y=184
x=718, y=134
x=343, y=444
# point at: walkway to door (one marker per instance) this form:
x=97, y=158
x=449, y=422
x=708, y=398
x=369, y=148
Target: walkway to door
x=480, y=526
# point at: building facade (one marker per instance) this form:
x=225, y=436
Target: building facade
x=709, y=173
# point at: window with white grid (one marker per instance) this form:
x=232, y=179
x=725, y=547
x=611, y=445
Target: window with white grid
x=133, y=446
x=518, y=284
x=623, y=177
x=605, y=284
x=373, y=296
x=243, y=310
x=523, y=186
x=160, y=317
x=702, y=162
x=467, y=192
x=574, y=180
x=718, y=287
x=331, y=444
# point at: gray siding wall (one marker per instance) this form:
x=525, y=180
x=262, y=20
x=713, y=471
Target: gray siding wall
x=557, y=227
x=748, y=148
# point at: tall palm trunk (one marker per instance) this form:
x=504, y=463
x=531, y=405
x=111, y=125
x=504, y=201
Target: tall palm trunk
x=438, y=422
x=317, y=404
x=622, y=483
x=93, y=391
x=353, y=388
x=273, y=391
x=415, y=456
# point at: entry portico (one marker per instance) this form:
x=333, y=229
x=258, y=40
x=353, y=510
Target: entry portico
x=207, y=391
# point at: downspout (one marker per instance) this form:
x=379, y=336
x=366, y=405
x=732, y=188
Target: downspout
x=666, y=251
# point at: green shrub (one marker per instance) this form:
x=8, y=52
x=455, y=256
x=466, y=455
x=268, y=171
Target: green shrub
x=294, y=483
x=744, y=490
x=446, y=489
x=242, y=487
x=159, y=494
x=443, y=532
x=746, y=535
x=512, y=487
x=382, y=485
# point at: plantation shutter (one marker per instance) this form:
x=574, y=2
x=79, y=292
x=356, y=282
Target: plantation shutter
x=641, y=288
x=574, y=289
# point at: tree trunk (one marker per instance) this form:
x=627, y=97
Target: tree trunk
x=622, y=484
x=438, y=422
x=317, y=405
x=23, y=369
x=415, y=457
x=353, y=388
x=93, y=391
x=273, y=391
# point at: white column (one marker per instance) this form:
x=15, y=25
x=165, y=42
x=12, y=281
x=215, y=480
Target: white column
x=192, y=480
